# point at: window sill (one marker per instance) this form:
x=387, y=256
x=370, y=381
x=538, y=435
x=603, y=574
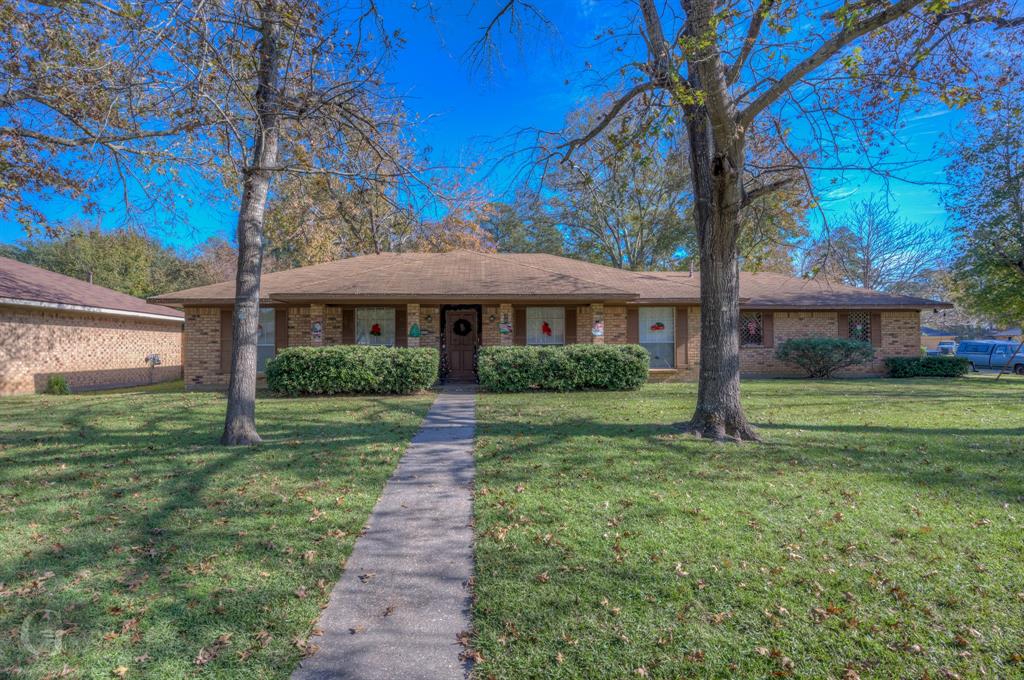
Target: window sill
x=662, y=370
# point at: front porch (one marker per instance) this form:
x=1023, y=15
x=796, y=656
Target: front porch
x=456, y=329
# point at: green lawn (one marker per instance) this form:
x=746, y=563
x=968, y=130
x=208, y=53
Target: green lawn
x=167, y=556
x=877, y=532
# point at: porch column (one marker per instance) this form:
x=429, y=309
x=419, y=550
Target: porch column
x=317, y=318
x=505, y=318
x=597, y=317
x=412, y=320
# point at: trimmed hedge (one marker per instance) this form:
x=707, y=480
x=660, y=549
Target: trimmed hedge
x=821, y=357
x=927, y=367
x=563, y=369
x=352, y=369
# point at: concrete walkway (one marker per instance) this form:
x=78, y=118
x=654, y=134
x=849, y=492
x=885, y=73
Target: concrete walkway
x=404, y=596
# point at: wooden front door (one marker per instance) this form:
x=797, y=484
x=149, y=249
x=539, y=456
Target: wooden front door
x=460, y=343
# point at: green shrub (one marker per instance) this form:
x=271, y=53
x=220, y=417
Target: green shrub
x=927, y=367
x=822, y=357
x=57, y=384
x=352, y=369
x=563, y=369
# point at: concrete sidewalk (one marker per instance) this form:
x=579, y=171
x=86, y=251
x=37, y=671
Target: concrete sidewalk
x=404, y=595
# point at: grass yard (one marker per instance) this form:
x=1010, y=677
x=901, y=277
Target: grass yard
x=165, y=555
x=877, y=532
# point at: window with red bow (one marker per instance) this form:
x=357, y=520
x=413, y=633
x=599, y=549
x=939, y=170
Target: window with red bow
x=545, y=325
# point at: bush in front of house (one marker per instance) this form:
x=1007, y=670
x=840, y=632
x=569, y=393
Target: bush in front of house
x=352, y=369
x=57, y=384
x=927, y=367
x=563, y=368
x=822, y=357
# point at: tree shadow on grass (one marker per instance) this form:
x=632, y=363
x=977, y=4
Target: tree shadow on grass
x=982, y=460
x=150, y=519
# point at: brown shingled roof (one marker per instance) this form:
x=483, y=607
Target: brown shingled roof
x=20, y=282
x=466, y=276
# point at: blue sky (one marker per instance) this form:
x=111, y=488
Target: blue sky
x=463, y=114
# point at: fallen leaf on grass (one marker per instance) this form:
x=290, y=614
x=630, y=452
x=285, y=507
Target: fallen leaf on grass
x=208, y=654
x=471, y=655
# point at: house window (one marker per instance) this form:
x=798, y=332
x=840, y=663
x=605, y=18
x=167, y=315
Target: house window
x=751, y=329
x=266, y=346
x=658, y=335
x=375, y=326
x=545, y=325
x=860, y=326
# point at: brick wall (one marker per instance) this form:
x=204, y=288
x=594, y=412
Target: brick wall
x=430, y=321
x=202, y=347
x=298, y=327
x=900, y=337
x=615, y=325
x=584, y=324
x=332, y=325
x=489, y=334
x=90, y=350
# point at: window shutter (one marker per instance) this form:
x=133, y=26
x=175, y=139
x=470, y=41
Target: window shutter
x=844, y=324
x=401, y=329
x=519, y=326
x=570, y=325
x=348, y=326
x=280, y=328
x=682, y=336
x=767, y=329
x=876, y=329
x=225, y=340
x=632, y=325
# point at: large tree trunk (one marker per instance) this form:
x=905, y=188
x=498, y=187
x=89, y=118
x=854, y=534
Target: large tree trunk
x=240, y=421
x=717, y=202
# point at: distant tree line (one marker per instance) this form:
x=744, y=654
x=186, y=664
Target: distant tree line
x=126, y=261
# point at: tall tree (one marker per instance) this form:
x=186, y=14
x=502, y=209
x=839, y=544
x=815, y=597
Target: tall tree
x=738, y=76
x=368, y=210
x=872, y=246
x=523, y=226
x=986, y=200
x=150, y=92
x=621, y=199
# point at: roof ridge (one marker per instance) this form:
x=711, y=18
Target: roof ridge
x=571, y=276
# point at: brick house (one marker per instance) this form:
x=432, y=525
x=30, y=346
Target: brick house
x=95, y=337
x=462, y=300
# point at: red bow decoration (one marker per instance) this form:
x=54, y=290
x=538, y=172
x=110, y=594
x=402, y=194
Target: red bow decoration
x=657, y=326
x=375, y=329
x=545, y=328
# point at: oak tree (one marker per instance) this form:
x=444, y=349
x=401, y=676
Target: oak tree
x=740, y=75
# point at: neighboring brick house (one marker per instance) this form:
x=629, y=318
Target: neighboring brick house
x=459, y=301
x=95, y=337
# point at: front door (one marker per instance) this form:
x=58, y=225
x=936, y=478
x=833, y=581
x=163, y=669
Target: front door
x=460, y=343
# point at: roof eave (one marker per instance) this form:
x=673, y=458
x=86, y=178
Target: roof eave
x=87, y=309
x=449, y=298
x=767, y=304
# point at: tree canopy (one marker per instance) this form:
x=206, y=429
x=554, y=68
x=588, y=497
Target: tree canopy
x=119, y=259
x=986, y=199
